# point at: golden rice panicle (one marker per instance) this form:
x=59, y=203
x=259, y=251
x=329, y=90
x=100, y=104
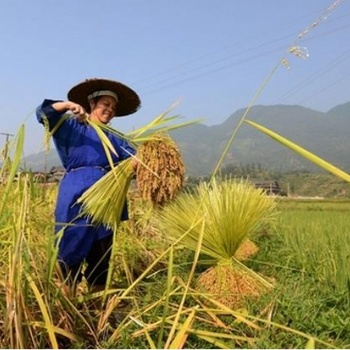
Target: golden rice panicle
x=161, y=171
x=246, y=250
x=231, y=285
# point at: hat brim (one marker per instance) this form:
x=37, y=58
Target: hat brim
x=128, y=100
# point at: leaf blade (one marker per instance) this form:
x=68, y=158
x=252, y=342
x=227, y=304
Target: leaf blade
x=301, y=151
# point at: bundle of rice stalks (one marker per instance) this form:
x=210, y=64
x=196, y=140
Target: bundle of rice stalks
x=104, y=201
x=232, y=211
x=229, y=212
x=161, y=173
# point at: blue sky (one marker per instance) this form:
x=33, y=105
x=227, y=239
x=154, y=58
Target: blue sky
x=210, y=55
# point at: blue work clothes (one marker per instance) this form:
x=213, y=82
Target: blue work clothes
x=84, y=159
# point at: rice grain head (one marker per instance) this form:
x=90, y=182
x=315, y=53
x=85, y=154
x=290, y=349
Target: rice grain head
x=246, y=250
x=230, y=285
x=161, y=172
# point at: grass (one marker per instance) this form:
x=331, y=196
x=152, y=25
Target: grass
x=320, y=246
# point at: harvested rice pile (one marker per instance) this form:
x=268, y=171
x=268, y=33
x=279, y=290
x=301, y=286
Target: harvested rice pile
x=230, y=285
x=162, y=173
x=246, y=250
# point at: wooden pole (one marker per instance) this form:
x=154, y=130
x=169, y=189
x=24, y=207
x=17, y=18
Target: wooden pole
x=6, y=142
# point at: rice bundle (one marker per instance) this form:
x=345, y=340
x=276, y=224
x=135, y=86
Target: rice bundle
x=161, y=172
x=231, y=285
x=233, y=211
x=104, y=201
x=220, y=216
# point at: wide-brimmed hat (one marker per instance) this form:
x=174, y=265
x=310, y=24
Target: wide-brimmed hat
x=128, y=100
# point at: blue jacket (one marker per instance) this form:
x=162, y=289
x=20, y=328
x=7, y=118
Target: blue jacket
x=82, y=155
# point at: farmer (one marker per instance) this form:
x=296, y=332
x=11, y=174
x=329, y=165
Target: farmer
x=84, y=159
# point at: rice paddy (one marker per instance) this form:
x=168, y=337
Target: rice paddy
x=304, y=255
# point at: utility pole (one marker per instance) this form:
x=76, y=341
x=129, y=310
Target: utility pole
x=6, y=142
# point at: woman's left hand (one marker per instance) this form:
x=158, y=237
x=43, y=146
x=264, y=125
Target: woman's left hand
x=134, y=163
x=82, y=117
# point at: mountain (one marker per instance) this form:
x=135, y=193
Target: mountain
x=41, y=161
x=325, y=134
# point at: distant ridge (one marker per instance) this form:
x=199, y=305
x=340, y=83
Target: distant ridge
x=325, y=134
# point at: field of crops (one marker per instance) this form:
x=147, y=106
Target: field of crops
x=304, y=257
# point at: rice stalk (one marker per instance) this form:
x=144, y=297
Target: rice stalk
x=8, y=173
x=106, y=143
x=19, y=303
x=48, y=132
x=180, y=338
x=170, y=281
x=217, y=343
x=14, y=317
x=196, y=312
x=301, y=151
x=187, y=286
x=45, y=312
x=213, y=337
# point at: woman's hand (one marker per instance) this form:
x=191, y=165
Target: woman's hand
x=75, y=108
x=64, y=106
x=134, y=164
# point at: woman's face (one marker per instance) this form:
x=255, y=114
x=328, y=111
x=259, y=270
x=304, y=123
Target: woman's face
x=103, y=110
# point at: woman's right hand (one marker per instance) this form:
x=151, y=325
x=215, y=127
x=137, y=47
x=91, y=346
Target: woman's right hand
x=63, y=106
x=75, y=108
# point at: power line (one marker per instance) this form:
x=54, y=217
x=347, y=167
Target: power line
x=218, y=65
x=161, y=74
x=317, y=75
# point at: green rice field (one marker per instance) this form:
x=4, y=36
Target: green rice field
x=304, y=255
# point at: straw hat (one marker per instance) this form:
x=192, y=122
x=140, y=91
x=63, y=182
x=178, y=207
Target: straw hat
x=128, y=101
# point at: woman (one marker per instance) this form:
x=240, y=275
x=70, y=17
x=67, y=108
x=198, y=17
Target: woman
x=84, y=159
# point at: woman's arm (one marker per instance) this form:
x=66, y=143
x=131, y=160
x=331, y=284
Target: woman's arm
x=64, y=106
x=53, y=110
x=52, y=113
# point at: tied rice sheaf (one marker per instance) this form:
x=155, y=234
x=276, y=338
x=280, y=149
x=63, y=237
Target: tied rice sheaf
x=163, y=176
